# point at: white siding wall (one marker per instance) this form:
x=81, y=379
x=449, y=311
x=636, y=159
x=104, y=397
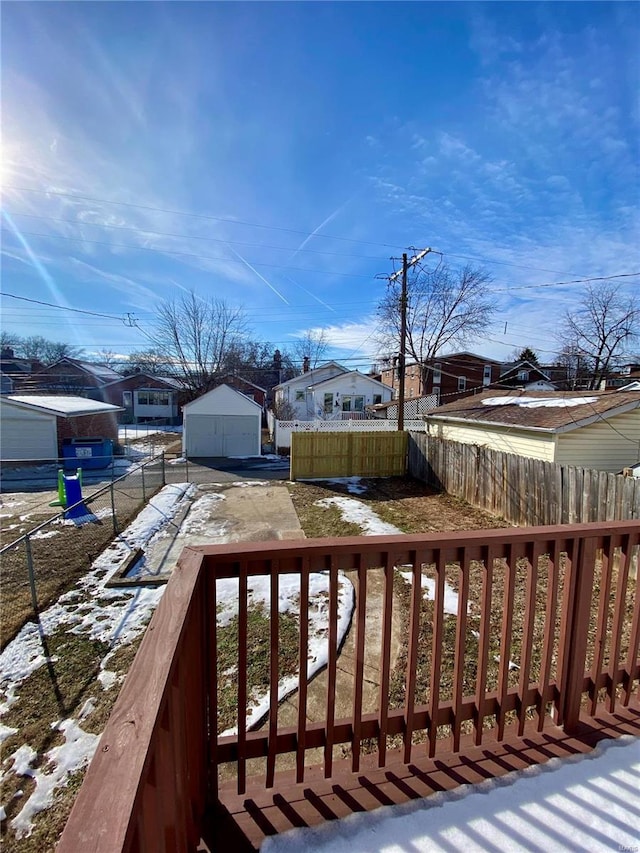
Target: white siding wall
x=609, y=445
x=508, y=440
x=26, y=434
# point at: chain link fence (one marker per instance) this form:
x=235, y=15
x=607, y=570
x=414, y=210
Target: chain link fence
x=46, y=561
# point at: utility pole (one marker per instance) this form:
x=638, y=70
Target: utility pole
x=403, y=327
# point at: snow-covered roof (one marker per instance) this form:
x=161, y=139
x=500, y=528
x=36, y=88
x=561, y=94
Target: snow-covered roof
x=550, y=411
x=64, y=406
x=308, y=376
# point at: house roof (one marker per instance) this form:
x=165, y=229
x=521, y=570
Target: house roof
x=171, y=381
x=64, y=406
x=234, y=377
x=514, y=367
x=309, y=374
x=100, y=371
x=349, y=373
x=220, y=390
x=550, y=411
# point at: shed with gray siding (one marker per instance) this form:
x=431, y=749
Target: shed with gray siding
x=222, y=422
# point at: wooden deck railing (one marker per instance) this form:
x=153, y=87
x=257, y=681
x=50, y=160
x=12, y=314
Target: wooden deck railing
x=547, y=622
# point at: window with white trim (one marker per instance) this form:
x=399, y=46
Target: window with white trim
x=486, y=375
x=462, y=383
x=437, y=373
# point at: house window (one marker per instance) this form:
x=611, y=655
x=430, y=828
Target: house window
x=328, y=404
x=377, y=398
x=437, y=373
x=486, y=375
x=462, y=383
x=523, y=375
x=300, y=397
x=127, y=399
x=353, y=404
x=411, y=391
x=153, y=398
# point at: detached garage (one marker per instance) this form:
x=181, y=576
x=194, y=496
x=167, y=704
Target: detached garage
x=222, y=422
x=33, y=427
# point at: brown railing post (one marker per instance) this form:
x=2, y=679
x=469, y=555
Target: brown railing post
x=573, y=636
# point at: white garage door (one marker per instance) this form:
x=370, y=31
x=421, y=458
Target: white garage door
x=222, y=435
x=27, y=438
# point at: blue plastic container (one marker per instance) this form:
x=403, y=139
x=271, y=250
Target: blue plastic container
x=87, y=453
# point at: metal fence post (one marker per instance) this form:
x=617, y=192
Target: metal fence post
x=186, y=463
x=113, y=509
x=144, y=495
x=164, y=473
x=32, y=579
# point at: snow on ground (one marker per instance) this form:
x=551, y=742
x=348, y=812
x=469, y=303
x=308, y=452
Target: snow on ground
x=588, y=803
x=259, y=593
x=354, y=485
x=134, y=431
x=371, y=525
x=115, y=616
x=539, y=402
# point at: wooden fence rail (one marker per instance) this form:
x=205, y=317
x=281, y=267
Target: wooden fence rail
x=546, y=620
x=522, y=490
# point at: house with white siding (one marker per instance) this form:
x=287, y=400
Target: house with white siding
x=330, y=392
x=596, y=429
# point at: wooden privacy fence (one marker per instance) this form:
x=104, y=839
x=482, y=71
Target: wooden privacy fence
x=546, y=621
x=348, y=454
x=522, y=490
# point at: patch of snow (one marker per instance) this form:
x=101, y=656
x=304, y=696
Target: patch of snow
x=354, y=484
x=259, y=593
x=76, y=752
x=245, y=484
x=22, y=759
x=539, y=402
x=428, y=586
x=358, y=513
x=587, y=802
x=87, y=709
x=42, y=535
x=5, y=732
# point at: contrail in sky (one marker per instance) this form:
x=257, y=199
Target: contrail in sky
x=329, y=218
x=312, y=295
x=260, y=276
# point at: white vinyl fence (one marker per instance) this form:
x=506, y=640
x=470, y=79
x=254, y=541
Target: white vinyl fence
x=283, y=429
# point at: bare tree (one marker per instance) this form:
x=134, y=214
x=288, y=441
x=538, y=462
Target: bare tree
x=600, y=329
x=150, y=361
x=312, y=345
x=444, y=308
x=195, y=335
x=46, y=351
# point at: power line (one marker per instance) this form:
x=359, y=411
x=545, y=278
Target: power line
x=208, y=217
x=185, y=254
x=232, y=221
x=196, y=237
x=61, y=307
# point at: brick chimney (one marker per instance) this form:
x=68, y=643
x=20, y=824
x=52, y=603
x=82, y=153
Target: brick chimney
x=305, y=364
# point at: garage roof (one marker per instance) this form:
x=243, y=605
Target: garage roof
x=64, y=406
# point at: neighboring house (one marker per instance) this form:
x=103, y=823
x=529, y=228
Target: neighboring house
x=71, y=376
x=593, y=430
x=448, y=377
x=16, y=373
x=524, y=374
x=33, y=427
x=146, y=397
x=331, y=392
x=249, y=389
x=222, y=422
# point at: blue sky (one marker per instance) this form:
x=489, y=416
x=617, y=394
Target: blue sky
x=506, y=133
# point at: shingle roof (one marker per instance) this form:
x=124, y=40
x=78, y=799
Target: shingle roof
x=548, y=410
